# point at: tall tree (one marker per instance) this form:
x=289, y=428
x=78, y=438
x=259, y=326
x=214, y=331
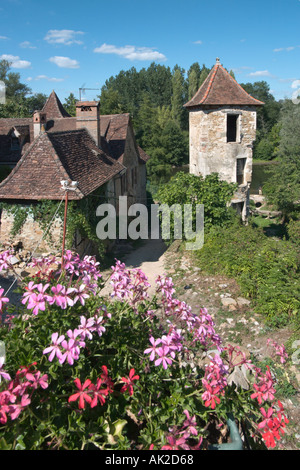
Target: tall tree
x=14, y=88
x=178, y=95
x=70, y=104
x=283, y=187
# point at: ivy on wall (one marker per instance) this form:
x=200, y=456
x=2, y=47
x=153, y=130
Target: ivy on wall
x=81, y=218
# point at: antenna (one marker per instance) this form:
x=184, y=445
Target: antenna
x=83, y=89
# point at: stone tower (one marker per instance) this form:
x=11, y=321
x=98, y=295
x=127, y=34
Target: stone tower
x=222, y=122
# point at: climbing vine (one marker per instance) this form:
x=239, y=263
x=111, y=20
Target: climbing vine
x=81, y=219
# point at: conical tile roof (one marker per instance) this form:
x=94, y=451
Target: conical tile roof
x=219, y=89
x=53, y=108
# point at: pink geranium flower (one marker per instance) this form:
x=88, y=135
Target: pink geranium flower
x=4, y=374
x=164, y=359
x=2, y=299
x=54, y=349
x=154, y=349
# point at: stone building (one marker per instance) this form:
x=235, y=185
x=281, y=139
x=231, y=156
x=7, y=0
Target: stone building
x=222, y=129
x=93, y=150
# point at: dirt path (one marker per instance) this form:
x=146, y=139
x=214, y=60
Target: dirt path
x=150, y=257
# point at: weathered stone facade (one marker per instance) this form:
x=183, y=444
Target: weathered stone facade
x=210, y=152
x=31, y=236
x=222, y=121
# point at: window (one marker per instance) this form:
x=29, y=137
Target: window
x=240, y=167
x=15, y=144
x=232, y=127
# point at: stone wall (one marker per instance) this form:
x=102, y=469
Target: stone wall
x=30, y=236
x=209, y=150
x=211, y=153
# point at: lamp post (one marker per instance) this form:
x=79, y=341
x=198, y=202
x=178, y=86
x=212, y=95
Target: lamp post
x=66, y=187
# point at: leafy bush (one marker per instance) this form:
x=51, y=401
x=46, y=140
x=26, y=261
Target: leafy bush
x=214, y=194
x=126, y=372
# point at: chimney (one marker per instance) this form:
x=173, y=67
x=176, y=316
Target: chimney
x=88, y=116
x=39, y=123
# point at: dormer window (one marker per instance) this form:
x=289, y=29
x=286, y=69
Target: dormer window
x=232, y=127
x=15, y=144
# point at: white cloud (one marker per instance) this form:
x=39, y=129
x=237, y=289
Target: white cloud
x=295, y=84
x=288, y=49
x=286, y=80
x=44, y=77
x=131, y=52
x=241, y=69
x=260, y=73
x=65, y=62
x=198, y=42
x=65, y=37
x=3, y=37
x=16, y=62
x=27, y=45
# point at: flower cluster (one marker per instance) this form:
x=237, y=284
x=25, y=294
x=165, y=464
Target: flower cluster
x=85, y=271
x=178, y=439
x=97, y=393
x=69, y=349
x=279, y=350
x=273, y=424
x=93, y=393
x=264, y=388
x=5, y=260
x=45, y=267
x=180, y=318
x=17, y=395
x=3, y=300
x=214, y=381
x=129, y=285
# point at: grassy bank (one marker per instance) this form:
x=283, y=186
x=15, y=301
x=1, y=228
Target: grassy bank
x=267, y=269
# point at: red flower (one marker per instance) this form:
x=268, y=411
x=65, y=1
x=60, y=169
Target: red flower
x=82, y=395
x=106, y=379
x=129, y=382
x=98, y=393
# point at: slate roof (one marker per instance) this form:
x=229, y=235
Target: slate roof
x=220, y=88
x=57, y=156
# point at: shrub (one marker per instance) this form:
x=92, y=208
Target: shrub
x=83, y=371
x=266, y=269
x=214, y=194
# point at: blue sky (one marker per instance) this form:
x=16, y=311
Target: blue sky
x=65, y=45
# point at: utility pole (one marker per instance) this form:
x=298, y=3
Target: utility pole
x=66, y=188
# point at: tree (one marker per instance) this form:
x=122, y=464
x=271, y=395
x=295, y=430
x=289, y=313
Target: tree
x=267, y=147
x=174, y=141
x=283, y=186
x=70, y=104
x=14, y=88
x=267, y=115
x=18, y=103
